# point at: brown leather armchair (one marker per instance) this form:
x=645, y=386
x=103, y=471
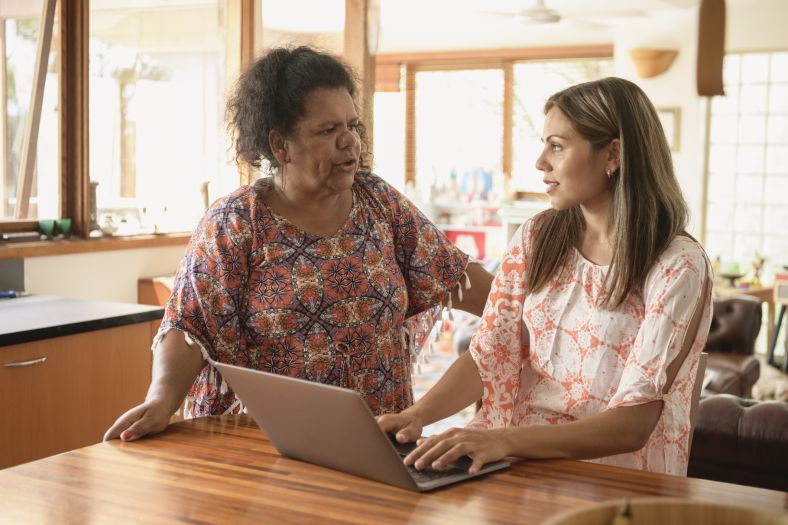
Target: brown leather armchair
x=741, y=441
x=731, y=344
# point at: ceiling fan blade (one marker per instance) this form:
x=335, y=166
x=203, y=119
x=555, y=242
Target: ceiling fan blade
x=534, y=16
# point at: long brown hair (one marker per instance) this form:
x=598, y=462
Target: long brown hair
x=647, y=207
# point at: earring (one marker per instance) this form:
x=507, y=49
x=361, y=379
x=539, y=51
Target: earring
x=608, y=173
x=282, y=179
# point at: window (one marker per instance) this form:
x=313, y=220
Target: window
x=19, y=35
x=459, y=132
x=747, y=199
x=534, y=82
x=448, y=132
x=158, y=153
x=388, y=158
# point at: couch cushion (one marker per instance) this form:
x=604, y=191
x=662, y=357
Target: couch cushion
x=741, y=441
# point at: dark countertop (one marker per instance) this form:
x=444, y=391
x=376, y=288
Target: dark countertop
x=37, y=317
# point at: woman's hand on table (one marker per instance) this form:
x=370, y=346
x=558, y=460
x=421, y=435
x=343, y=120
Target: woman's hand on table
x=439, y=451
x=151, y=417
x=175, y=365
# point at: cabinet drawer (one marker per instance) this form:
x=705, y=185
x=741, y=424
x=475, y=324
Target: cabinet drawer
x=63, y=393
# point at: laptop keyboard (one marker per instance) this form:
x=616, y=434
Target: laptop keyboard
x=429, y=474
x=461, y=466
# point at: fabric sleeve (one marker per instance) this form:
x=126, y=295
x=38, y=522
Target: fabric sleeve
x=208, y=291
x=431, y=264
x=501, y=342
x=673, y=291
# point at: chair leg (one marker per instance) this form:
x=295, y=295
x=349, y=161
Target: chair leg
x=770, y=355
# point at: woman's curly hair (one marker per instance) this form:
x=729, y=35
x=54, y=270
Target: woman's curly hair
x=271, y=95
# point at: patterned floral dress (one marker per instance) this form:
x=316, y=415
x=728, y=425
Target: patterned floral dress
x=254, y=290
x=575, y=359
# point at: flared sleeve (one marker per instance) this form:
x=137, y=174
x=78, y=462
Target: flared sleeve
x=501, y=343
x=673, y=291
x=208, y=291
x=431, y=264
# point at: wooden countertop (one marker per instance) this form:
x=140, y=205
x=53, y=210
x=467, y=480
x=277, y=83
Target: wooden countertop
x=37, y=317
x=223, y=470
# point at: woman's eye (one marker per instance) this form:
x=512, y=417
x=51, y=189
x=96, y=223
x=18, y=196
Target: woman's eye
x=328, y=131
x=555, y=147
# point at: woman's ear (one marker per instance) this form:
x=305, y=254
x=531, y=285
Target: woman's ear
x=614, y=155
x=278, y=145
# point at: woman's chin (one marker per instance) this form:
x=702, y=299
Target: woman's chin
x=346, y=180
x=559, y=204
x=338, y=183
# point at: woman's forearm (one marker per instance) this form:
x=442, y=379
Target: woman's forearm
x=616, y=431
x=175, y=365
x=473, y=299
x=459, y=387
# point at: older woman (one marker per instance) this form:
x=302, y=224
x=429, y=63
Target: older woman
x=590, y=339
x=312, y=272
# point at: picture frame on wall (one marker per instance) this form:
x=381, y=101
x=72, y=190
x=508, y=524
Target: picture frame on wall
x=670, y=117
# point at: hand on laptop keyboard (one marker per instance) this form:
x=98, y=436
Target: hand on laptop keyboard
x=462, y=463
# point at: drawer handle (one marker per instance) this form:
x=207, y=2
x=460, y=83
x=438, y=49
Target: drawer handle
x=26, y=363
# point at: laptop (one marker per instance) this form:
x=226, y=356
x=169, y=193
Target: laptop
x=333, y=427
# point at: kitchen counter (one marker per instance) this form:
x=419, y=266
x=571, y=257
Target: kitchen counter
x=37, y=317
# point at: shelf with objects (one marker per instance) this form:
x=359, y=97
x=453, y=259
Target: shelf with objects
x=475, y=228
x=476, y=212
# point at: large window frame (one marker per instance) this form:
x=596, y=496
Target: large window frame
x=396, y=71
x=73, y=27
x=736, y=175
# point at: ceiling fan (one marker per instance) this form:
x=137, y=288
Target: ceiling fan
x=537, y=12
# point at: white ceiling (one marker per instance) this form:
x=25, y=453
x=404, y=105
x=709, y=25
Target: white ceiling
x=411, y=25
x=424, y=25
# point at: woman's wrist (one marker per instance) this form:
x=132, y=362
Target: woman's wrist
x=508, y=441
x=164, y=397
x=416, y=413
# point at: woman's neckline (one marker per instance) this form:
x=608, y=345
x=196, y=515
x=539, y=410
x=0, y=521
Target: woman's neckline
x=266, y=184
x=588, y=262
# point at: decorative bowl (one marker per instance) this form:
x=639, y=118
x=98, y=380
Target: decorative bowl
x=731, y=277
x=658, y=511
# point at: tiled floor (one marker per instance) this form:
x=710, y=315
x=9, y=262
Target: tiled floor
x=431, y=371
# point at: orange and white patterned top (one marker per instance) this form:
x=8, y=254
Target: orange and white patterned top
x=575, y=359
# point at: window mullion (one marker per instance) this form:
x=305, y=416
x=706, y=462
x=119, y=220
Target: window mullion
x=508, y=123
x=74, y=96
x=3, y=122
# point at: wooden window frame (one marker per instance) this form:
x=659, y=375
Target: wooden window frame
x=504, y=59
x=73, y=18
x=243, y=37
